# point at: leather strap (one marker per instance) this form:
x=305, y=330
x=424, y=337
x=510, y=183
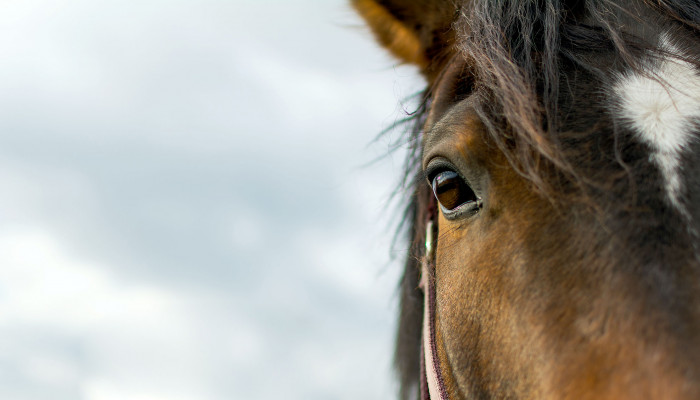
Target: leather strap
x=432, y=384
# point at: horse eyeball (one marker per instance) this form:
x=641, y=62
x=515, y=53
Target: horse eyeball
x=451, y=191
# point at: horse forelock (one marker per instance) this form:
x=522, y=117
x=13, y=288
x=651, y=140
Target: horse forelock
x=524, y=57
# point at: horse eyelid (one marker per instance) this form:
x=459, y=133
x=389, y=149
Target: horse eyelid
x=440, y=165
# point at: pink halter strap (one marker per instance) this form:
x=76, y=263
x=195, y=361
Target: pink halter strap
x=432, y=384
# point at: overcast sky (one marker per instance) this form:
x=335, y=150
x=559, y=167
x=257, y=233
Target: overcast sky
x=186, y=210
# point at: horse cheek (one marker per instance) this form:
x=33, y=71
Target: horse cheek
x=469, y=308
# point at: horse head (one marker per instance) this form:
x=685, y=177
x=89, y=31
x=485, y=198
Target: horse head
x=558, y=187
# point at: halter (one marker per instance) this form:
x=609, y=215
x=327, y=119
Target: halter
x=432, y=386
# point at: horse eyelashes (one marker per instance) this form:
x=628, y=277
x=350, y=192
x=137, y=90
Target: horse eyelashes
x=452, y=192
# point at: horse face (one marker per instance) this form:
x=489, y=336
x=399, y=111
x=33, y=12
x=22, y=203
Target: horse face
x=566, y=261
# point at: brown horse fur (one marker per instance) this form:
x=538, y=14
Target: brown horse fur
x=577, y=279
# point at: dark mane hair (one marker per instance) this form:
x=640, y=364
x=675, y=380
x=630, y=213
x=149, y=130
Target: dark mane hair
x=517, y=52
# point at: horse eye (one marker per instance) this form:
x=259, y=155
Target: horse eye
x=452, y=192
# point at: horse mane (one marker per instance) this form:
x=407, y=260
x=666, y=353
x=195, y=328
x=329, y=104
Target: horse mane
x=517, y=52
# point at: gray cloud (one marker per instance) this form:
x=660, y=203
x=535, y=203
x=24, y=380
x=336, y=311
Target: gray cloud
x=184, y=211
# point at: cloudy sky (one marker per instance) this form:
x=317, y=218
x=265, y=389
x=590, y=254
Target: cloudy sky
x=188, y=208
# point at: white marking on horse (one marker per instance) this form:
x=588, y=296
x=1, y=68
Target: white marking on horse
x=663, y=107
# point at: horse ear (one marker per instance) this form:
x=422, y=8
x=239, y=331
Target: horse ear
x=415, y=31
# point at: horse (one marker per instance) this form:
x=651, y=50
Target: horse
x=554, y=213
